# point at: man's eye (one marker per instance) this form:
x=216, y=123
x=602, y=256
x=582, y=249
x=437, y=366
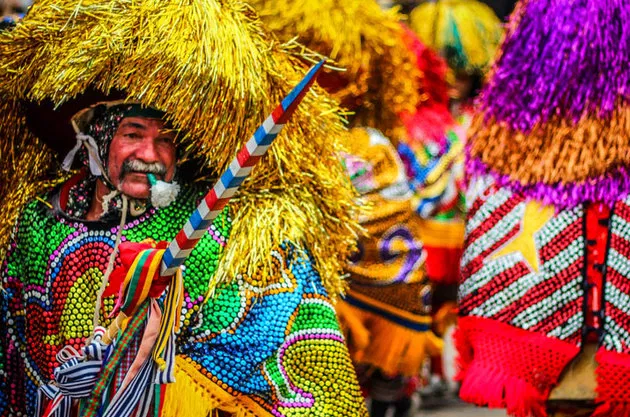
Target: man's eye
x=132, y=135
x=165, y=139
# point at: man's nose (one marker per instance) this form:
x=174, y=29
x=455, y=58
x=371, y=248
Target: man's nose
x=147, y=151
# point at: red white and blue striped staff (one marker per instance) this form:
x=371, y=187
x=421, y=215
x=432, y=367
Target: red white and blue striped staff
x=212, y=204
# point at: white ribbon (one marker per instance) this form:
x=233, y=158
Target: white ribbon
x=96, y=166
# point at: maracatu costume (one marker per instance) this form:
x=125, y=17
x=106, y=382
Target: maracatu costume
x=545, y=267
x=257, y=289
x=386, y=311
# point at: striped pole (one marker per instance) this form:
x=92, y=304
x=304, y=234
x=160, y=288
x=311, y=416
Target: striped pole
x=225, y=188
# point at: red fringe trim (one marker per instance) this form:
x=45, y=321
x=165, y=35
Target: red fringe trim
x=612, y=410
x=493, y=389
x=613, y=384
x=505, y=367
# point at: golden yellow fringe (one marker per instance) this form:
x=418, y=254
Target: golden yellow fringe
x=383, y=76
x=379, y=342
x=479, y=29
x=195, y=395
x=558, y=151
x=22, y=175
x=442, y=234
x=327, y=22
x=211, y=68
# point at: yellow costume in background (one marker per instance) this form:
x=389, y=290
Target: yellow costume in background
x=466, y=33
x=386, y=313
x=387, y=309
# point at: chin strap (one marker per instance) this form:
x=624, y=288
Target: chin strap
x=96, y=165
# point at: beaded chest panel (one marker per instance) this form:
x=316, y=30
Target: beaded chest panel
x=248, y=339
x=55, y=267
x=617, y=282
x=523, y=263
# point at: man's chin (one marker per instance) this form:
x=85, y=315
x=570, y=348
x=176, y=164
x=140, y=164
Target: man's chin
x=138, y=192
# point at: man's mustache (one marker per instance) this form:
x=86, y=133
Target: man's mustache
x=136, y=165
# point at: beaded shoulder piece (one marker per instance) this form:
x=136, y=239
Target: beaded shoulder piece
x=522, y=262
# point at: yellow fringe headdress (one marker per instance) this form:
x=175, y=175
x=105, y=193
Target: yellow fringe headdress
x=209, y=66
x=466, y=32
x=383, y=79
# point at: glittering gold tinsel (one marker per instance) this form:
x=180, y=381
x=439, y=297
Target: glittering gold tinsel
x=589, y=148
x=384, y=80
x=23, y=174
x=210, y=67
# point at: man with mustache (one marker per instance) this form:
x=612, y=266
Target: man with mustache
x=119, y=145
x=247, y=326
x=133, y=142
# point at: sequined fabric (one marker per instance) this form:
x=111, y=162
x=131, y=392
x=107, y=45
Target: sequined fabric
x=528, y=300
x=393, y=256
x=386, y=311
x=523, y=264
x=274, y=345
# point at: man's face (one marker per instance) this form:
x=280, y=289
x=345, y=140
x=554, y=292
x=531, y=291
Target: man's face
x=140, y=145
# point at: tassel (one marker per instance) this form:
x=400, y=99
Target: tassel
x=170, y=320
x=162, y=193
x=498, y=390
x=154, y=362
x=496, y=365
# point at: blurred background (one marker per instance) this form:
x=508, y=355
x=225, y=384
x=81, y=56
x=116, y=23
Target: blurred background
x=501, y=7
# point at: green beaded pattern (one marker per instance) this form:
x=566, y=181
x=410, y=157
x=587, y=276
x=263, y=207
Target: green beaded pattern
x=277, y=342
x=55, y=267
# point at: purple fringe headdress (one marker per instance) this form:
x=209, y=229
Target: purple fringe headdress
x=554, y=120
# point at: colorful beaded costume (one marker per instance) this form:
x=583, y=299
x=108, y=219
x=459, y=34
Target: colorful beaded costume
x=545, y=267
x=247, y=342
x=258, y=335
x=387, y=309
